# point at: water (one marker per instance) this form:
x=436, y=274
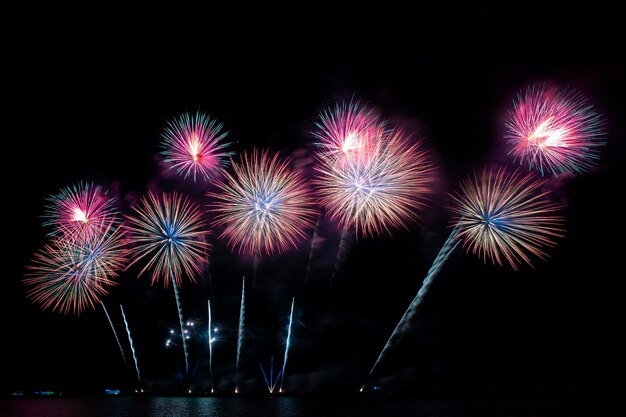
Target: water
x=308, y=406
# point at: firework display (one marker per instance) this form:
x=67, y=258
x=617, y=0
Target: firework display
x=169, y=231
x=365, y=178
x=264, y=206
x=505, y=216
x=70, y=275
x=342, y=130
x=554, y=130
x=500, y=216
x=79, y=211
x=381, y=188
x=193, y=146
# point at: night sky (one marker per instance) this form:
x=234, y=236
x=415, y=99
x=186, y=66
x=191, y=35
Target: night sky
x=88, y=102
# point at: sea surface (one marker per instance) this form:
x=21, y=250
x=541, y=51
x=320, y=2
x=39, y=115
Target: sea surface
x=309, y=406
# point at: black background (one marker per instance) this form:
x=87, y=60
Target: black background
x=88, y=100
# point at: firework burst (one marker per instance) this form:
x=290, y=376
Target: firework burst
x=381, y=188
x=169, y=231
x=70, y=275
x=192, y=145
x=80, y=211
x=264, y=206
x=506, y=216
x=556, y=131
x=342, y=130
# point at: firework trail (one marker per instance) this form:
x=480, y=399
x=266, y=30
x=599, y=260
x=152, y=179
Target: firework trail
x=114, y=332
x=210, y=346
x=344, y=243
x=497, y=215
x=256, y=265
x=169, y=232
x=192, y=146
x=264, y=206
x=554, y=130
x=448, y=247
x=380, y=188
x=70, y=275
x=242, y=318
x=132, y=346
x=312, y=249
x=79, y=211
x=180, y=322
x=287, y=343
x=271, y=382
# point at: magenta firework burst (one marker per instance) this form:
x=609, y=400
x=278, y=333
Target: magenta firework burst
x=169, y=231
x=70, y=275
x=342, y=130
x=79, y=211
x=554, y=130
x=192, y=145
x=506, y=216
x=381, y=188
x=264, y=206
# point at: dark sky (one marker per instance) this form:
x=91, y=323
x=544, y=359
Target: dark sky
x=88, y=102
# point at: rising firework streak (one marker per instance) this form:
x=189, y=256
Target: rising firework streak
x=242, y=319
x=448, y=247
x=210, y=346
x=132, y=346
x=114, y=332
x=287, y=344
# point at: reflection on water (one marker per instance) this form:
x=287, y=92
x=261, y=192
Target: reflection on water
x=308, y=406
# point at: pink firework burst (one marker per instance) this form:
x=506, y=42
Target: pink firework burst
x=70, y=275
x=506, y=216
x=342, y=130
x=80, y=211
x=382, y=187
x=192, y=145
x=556, y=131
x=264, y=206
x=169, y=231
